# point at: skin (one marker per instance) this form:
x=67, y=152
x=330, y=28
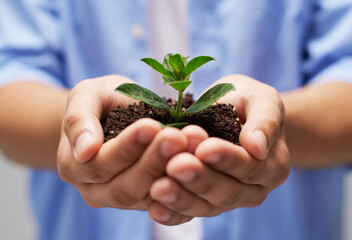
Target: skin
x=30, y=122
x=319, y=117
x=217, y=176
x=175, y=175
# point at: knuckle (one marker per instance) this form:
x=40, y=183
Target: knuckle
x=122, y=198
x=251, y=176
x=233, y=165
x=261, y=200
x=126, y=156
x=258, y=202
x=153, y=172
x=93, y=196
x=63, y=173
x=284, y=166
x=177, y=219
x=96, y=175
x=70, y=121
x=63, y=170
x=214, y=211
x=273, y=124
x=92, y=203
x=146, y=203
x=282, y=111
x=233, y=198
x=184, y=207
x=281, y=106
x=276, y=167
x=203, y=189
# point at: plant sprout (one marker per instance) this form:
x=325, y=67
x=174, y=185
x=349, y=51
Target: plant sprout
x=176, y=71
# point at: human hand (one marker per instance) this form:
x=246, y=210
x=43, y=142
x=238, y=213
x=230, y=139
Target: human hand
x=219, y=176
x=118, y=173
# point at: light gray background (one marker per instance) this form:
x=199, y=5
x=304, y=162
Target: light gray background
x=16, y=218
x=15, y=215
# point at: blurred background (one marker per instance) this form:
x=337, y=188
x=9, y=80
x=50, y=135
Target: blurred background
x=16, y=220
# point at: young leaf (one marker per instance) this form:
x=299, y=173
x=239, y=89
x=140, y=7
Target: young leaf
x=180, y=85
x=210, y=97
x=166, y=62
x=176, y=63
x=158, y=67
x=167, y=80
x=137, y=92
x=196, y=63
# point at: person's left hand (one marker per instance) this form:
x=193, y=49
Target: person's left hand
x=215, y=175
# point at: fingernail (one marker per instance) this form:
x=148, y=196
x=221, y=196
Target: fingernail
x=83, y=141
x=146, y=136
x=168, y=198
x=164, y=218
x=169, y=148
x=185, y=176
x=215, y=158
x=261, y=141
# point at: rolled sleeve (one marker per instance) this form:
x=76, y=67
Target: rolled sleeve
x=30, y=43
x=329, y=45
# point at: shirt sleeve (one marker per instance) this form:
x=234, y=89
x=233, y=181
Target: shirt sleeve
x=329, y=46
x=30, y=43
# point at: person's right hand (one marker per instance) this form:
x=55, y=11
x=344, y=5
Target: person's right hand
x=120, y=172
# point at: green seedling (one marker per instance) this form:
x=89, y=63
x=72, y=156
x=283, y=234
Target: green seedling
x=176, y=71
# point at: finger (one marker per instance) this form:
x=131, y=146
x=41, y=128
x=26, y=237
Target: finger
x=195, y=135
x=264, y=116
x=133, y=185
x=81, y=123
x=236, y=162
x=233, y=160
x=169, y=193
x=85, y=106
x=114, y=156
x=218, y=189
x=165, y=216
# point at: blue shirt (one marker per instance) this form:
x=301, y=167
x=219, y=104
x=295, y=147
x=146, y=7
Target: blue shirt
x=282, y=43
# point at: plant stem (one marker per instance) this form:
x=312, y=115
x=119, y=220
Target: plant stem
x=178, y=107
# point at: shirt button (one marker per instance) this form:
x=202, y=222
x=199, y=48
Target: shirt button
x=137, y=31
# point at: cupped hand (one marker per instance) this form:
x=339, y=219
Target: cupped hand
x=220, y=176
x=120, y=172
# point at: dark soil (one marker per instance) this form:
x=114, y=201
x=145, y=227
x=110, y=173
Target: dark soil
x=218, y=120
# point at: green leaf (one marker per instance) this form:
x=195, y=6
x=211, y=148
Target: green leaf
x=167, y=80
x=166, y=62
x=180, y=85
x=209, y=97
x=157, y=66
x=137, y=92
x=176, y=62
x=176, y=125
x=196, y=63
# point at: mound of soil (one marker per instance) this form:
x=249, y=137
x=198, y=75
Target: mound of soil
x=218, y=120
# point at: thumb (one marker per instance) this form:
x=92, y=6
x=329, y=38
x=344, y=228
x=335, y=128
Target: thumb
x=81, y=123
x=264, y=116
